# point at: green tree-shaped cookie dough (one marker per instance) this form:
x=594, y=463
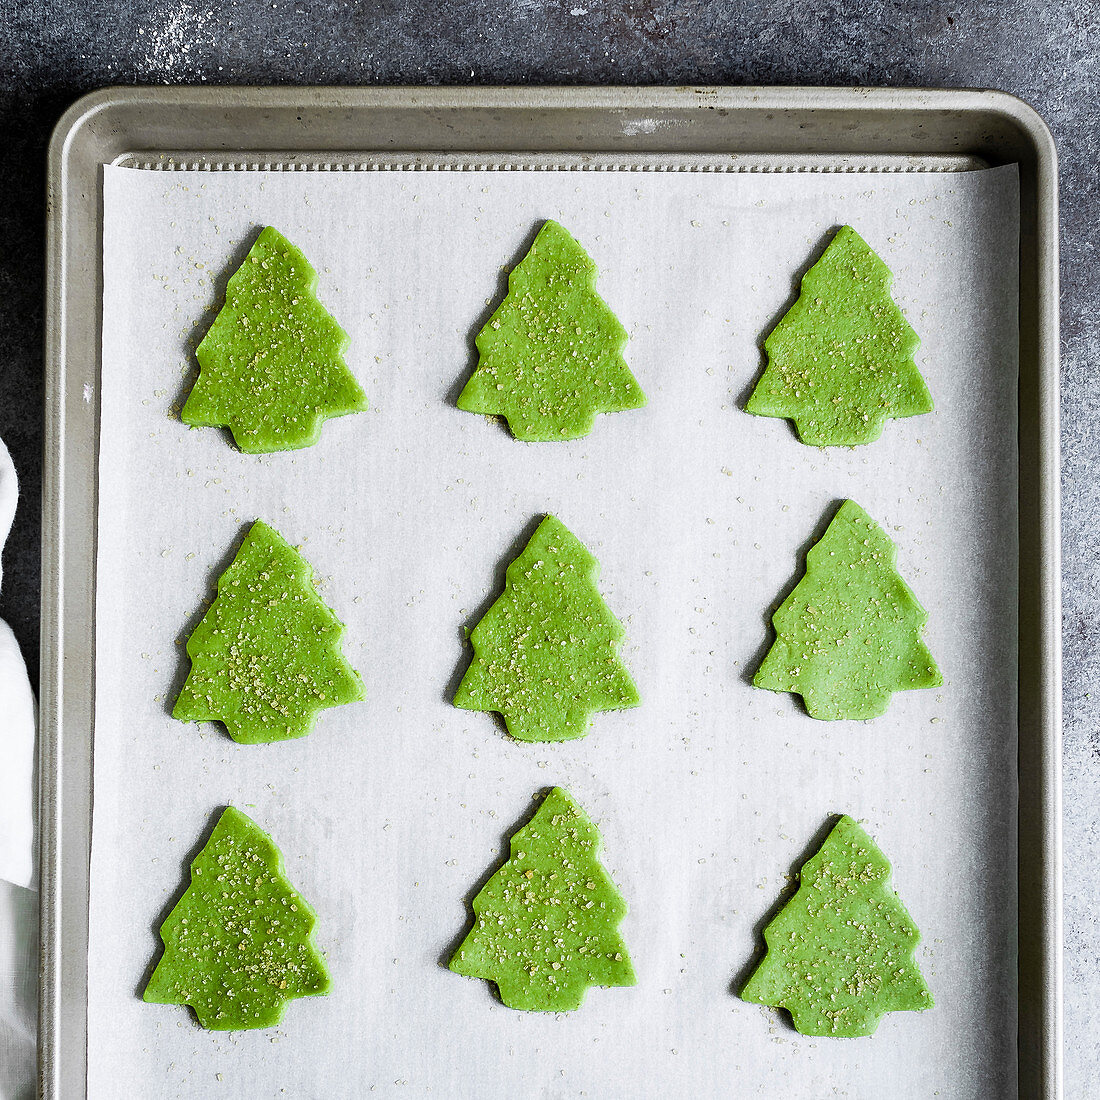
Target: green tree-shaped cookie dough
x=849, y=635
x=546, y=924
x=266, y=656
x=841, y=359
x=840, y=952
x=546, y=653
x=237, y=945
x=550, y=357
x=271, y=367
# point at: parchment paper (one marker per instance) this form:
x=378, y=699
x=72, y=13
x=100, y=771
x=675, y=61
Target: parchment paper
x=393, y=812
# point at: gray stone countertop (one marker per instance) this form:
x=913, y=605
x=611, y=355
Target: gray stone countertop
x=1045, y=51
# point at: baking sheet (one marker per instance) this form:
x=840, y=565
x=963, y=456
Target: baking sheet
x=707, y=796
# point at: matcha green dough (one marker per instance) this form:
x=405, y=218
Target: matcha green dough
x=271, y=368
x=266, y=656
x=841, y=359
x=849, y=635
x=546, y=924
x=840, y=952
x=550, y=357
x=546, y=653
x=238, y=945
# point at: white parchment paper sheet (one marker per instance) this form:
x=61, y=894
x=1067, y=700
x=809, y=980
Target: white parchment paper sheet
x=711, y=793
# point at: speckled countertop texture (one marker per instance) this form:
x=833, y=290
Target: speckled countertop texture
x=1046, y=51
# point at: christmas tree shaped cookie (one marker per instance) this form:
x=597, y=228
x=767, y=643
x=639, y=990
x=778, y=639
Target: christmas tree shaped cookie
x=238, y=945
x=271, y=367
x=546, y=653
x=841, y=359
x=266, y=656
x=550, y=357
x=849, y=635
x=546, y=924
x=840, y=952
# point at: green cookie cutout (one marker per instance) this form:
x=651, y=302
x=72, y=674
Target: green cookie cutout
x=266, y=656
x=546, y=924
x=840, y=952
x=238, y=944
x=550, y=357
x=545, y=654
x=841, y=359
x=271, y=367
x=849, y=635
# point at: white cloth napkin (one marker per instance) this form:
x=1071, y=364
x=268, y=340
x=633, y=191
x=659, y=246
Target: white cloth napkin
x=18, y=898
